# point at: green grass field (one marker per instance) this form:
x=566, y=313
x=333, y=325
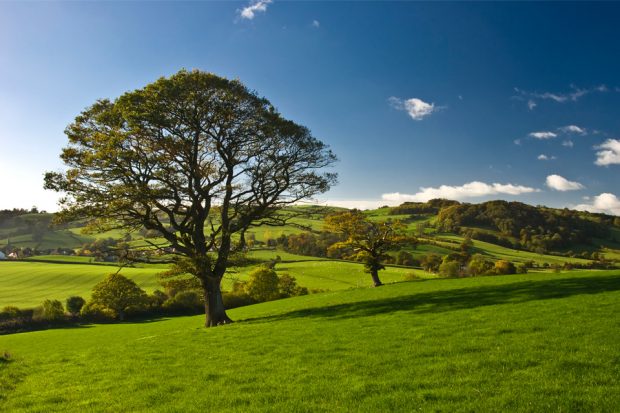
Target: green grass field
x=27, y=284
x=521, y=343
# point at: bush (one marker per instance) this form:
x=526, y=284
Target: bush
x=186, y=302
x=96, y=312
x=236, y=299
x=449, y=268
x=263, y=284
x=288, y=287
x=75, y=304
x=503, y=267
x=50, y=310
x=10, y=312
x=157, y=298
x=410, y=276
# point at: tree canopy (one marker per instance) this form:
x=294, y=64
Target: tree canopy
x=197, y=158
x=370, y=240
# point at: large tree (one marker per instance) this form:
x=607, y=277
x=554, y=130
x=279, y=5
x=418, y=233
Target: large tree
x=370, y=240
x=196, y=157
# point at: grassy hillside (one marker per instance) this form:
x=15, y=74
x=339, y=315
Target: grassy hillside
x=512, y=343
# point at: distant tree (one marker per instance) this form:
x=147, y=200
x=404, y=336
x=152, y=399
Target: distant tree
x=118, y=293
x=430, y=262
x=288, y=287
x=263, y=284
x=195, y=157
x=503, y=267
x=478, y=265
x=405, y=258
x=467, y=245
x=50, y=310
x=370, y=240
x=75, y=304
x=449, y=267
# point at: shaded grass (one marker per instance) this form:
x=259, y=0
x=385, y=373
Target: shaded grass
x=541, y=343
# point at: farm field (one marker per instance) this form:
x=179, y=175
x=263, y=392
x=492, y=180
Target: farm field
x=27, y=284
x=531, y=342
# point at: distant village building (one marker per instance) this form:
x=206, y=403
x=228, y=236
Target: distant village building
x=13, y=256
x=2, y=256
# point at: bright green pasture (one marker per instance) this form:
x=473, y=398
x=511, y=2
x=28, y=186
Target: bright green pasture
x=330, y=275
x=27, y=284
x=499, y=252
x=521, y=343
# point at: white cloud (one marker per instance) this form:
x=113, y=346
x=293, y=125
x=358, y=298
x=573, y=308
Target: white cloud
x=560, y=183
x=608, y=152
x=605, y=203
x=568, y=143
x=316, y=23
x=250, y=11
x=573, y=129
x=517, y=141
x=543, y=157
x=469, y=190
x=543, y=135
x=416, y=108
x=357, y=203
x=573, y=95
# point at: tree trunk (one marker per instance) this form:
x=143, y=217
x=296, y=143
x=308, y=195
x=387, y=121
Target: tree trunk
x=375, y=278
x=214, y=304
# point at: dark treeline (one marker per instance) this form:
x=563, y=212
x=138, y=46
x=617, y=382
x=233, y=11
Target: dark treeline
x=523, y=226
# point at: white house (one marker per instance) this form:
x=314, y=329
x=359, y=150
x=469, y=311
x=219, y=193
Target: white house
x=2, y=256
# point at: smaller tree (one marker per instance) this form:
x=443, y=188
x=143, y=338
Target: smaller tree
x=118, y=293
x=288, y=287
x=263, y=284
x=370, y=240
x=75, y=304
x=51, y=310
x=478, y=265
x=449, y=267
x=430, y=262
x=503, y=267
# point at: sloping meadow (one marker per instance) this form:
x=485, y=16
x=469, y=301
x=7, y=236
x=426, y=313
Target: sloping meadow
x=532, y=342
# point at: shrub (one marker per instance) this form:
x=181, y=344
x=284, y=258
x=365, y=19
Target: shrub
x=75, y=304
x=157, y=298
x=263, y=284
x=410, y=276
x=96, y=312
x=288, y=287
x=521, y=269
x=503, y=267
x=236, y=299
x=50, y=310
x=449, y=268
x=10, y=312
x=186, y=301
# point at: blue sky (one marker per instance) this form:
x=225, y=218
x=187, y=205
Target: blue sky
x=473, y=101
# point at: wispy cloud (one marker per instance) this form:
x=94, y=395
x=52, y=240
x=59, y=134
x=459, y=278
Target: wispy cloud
x=605, y=203
x=608, y=153
x=316, y=24
x=468, y=190
x=415, y=107
x=543, y=135
x=543, y=157
x=573, y=129
x=559, y=183
x=250, y=11
x=568, y=143
x=573, y=95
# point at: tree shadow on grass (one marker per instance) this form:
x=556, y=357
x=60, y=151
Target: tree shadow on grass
x=459, y=299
